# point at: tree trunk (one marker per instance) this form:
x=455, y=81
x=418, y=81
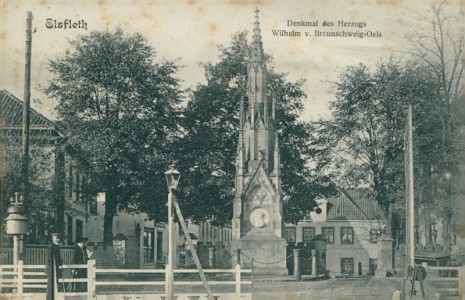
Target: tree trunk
x=447, y=232
x=59, y=191
x=111, y=197
x=110, y=208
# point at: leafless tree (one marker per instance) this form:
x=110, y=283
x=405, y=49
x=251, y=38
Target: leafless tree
x=438, y=40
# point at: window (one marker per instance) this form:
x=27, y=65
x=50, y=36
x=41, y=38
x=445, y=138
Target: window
x=347, y=266
x=92, y=205
x=160, y=256
x=373, y=265
x=79, y=229
x=69, y=232
x=70, y=182
x=375, y=233
x=328, y=233
x=308, y=233
x=347, y=235
x=290, y=234
x=149, y=245
x=417, y=234
x=78, y=186
x=84, y=188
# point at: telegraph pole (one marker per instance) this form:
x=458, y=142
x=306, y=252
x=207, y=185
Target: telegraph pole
x=410, y=193
x=25, y=128
x=26, y=115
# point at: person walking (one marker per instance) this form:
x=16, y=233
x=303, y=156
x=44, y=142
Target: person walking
x=53, y=267
x=80, y=258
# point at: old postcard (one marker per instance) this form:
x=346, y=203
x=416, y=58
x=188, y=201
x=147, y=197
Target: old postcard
x=286, y=121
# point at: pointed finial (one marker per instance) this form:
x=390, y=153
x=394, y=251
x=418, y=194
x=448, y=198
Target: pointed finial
x=257, y=51
x=256, y=16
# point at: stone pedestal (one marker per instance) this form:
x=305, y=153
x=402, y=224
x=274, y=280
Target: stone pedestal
x=268, y=253
x=384, y=255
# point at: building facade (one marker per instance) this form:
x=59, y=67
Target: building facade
x=138, y=242
x=212, y=243
x=351, y=226
x=60, y=186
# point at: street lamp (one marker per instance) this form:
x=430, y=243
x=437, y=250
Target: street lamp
x=172, y=180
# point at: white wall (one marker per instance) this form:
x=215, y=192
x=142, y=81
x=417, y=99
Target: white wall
x=361, y=250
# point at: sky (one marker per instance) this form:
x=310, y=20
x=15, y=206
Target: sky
x=192, y=30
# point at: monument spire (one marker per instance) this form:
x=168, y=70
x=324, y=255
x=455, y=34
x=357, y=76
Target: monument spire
x=256, y=85
x=257, y=217
x=257, y=47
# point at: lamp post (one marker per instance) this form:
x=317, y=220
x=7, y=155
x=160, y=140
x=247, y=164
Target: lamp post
x=172, y=180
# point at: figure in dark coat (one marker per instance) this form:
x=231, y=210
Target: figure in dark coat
x=80, y=258
x=52, y=267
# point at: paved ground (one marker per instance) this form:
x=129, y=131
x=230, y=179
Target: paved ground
x=331, y=289
x=285, y=288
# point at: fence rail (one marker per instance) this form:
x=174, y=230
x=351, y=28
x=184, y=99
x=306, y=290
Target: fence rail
x=28, y=279
x=460, y=278
x=36, y=254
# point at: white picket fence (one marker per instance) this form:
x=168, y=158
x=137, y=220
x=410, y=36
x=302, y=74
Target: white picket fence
x=26, y=280
x=433, y=275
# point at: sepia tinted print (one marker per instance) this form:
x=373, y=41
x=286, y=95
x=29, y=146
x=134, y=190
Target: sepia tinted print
x=235, y=150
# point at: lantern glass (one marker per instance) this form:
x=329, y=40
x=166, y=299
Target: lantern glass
x=172, y=178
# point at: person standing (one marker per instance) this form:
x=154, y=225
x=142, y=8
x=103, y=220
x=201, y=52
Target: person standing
x=80, y=258
x=53, y=267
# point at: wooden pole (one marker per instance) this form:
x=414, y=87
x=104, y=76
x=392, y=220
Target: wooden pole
x=26, y=116
x=194, y=252
x=410, y=199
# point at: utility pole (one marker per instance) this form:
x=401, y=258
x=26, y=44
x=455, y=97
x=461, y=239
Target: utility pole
x=410, y=193
x=25, y=128
x=26, y=115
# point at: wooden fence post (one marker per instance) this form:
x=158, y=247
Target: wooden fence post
x=238, y=281
x=211, y=257
x=462, y=283
x=91, y=286
x=297, y=264
x=314, y=264
x=20, y=276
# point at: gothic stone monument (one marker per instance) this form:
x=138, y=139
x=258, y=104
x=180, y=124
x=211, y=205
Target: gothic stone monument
x=257, y=225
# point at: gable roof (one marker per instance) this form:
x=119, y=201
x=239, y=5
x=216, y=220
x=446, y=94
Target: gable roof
x=12, y=113
x=352, y=205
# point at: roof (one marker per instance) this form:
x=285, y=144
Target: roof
x=12, y=113
x=352, y=205
x=42, y=130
